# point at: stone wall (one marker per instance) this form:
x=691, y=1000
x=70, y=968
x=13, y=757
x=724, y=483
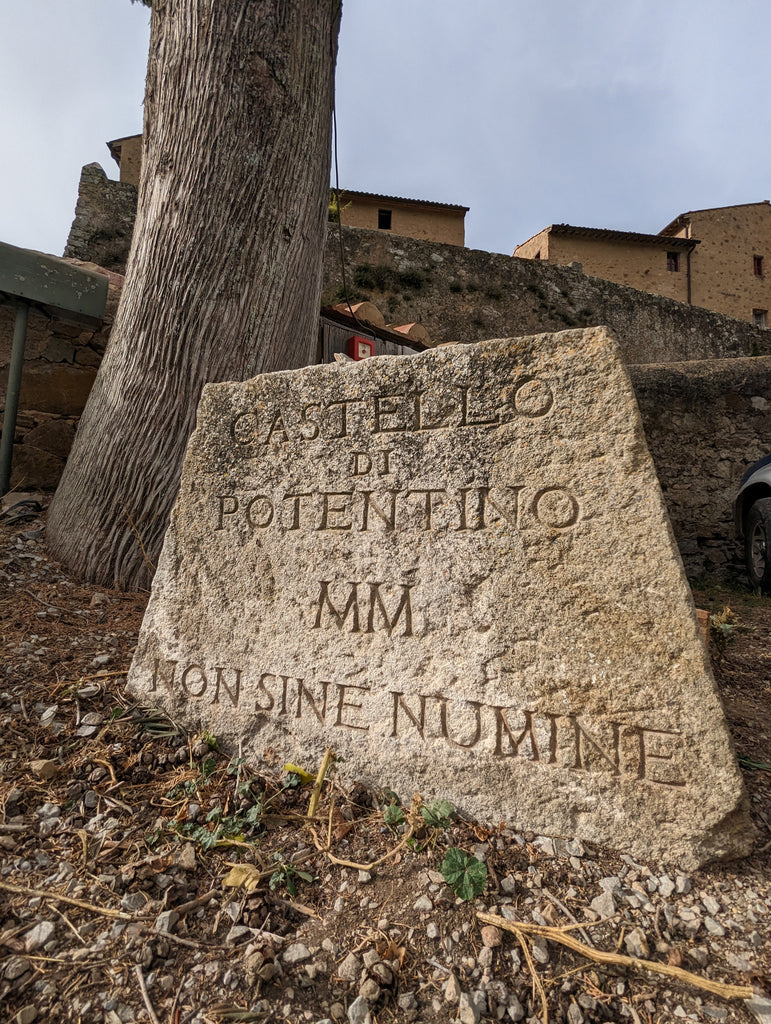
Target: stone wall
x=104, y=220
x=705, y=422
x=459, y=294
x=60, y=364
x=469, y=295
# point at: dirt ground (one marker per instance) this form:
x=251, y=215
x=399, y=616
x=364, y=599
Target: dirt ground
x=147, y=875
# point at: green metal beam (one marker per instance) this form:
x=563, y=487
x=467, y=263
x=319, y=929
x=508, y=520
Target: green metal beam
x=69, y=292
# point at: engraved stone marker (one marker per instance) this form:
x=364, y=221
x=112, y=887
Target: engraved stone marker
x=455, y=569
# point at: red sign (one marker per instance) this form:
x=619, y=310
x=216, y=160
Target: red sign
x=360, y=348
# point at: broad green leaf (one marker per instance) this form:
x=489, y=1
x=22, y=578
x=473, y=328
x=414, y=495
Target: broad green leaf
x=393, y=815
x=464, y=874
x=437, y=813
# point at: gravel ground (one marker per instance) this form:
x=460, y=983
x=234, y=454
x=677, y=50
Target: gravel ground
x=147, y=875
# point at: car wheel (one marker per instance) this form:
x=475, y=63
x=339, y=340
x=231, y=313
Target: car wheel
x=757, y=545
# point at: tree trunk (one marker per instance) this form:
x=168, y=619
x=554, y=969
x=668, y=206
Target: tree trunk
x=224, y=276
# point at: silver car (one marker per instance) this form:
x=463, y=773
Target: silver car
x=752, y=515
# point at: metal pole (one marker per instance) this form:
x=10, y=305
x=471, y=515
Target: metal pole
x=12, y=396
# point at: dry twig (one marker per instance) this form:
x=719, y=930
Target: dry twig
x=414, y=822
x=560, y=935
x=23, y=890
x=316, y=793
x=145, y=996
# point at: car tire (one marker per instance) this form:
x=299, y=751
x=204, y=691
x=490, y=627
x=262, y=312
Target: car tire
x=757, y=545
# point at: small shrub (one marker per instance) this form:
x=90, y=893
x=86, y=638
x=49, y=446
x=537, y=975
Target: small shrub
x=437, y=813
x=411, y=279
x=373, y=278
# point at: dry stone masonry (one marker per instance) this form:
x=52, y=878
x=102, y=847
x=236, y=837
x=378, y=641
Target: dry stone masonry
x=456, y=570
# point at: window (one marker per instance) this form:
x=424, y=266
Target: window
x=757, y=265
x=384, y=220
x=760, y=318
x=673, y=261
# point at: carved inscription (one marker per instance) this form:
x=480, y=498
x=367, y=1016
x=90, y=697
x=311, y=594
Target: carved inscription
x=351, y=606
x=419, y=509
x=414, y=412
x=555, y=740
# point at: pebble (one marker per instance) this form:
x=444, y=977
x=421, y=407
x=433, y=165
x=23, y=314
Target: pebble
x=713, y=927
x=574, y=1015
x=452, y=990
x=711, y=905
x=761, y=1007
x=715, y=1012
x=423, y=904
x=740, y=963
x=491, y=936
x=49, y=811
x=39, y=935
x=471, y=1006
x=382, y=974
x=295, y=953
x=44, y=770
x=15, y=967
x=350, y=968
x=637, y=944
x=515, y=1010
x=166, y=920
x=133, y=901
x=369, y=990
x=540, y=949
x=604, y=905
x=432, y=932
x=407, y=1001
x=666, y=886
x=185, y=858
x=358, y=1011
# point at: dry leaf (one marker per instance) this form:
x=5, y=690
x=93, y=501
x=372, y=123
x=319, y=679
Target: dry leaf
x=295, y=769
x=245, y=876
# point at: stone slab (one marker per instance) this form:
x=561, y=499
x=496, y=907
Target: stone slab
x=455, y=569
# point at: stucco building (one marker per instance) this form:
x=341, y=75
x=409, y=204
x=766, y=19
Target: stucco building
x=415, y=218
x=715, y=258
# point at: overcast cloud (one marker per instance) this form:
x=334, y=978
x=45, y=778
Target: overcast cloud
x=595, y=113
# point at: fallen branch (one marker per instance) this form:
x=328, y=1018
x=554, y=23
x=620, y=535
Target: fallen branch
x=537, y=983
x=560, y=935
x=23, y=890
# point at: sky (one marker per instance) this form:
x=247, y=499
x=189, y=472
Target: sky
x=599, y=113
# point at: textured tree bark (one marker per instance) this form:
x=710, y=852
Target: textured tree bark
x=224, y=276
